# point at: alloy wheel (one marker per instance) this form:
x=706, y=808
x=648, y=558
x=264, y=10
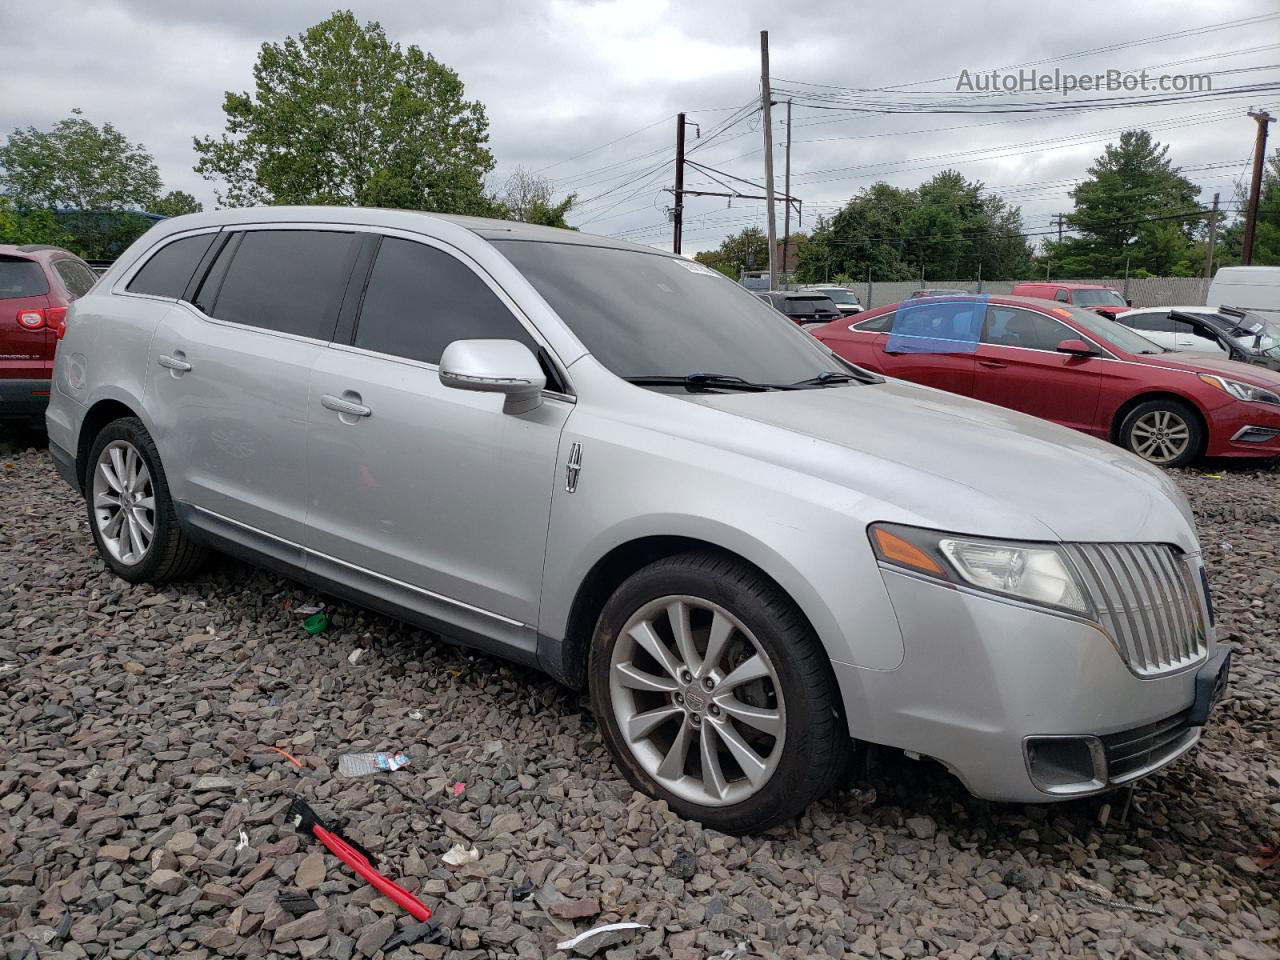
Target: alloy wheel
x=697, y=700
x=1160, y=436
x=124, y=502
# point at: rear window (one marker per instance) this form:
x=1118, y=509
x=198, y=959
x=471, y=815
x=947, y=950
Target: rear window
x=169, y=271
x=290, y=281
x=76, y=277
x=21, y=278
x=805, y=306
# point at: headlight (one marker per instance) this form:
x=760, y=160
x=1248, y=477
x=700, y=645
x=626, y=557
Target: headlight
x=1034, y=572
x=1241, y=391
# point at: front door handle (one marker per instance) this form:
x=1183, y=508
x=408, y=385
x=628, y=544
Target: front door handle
x=173, y=363
x=348, y=407
x=993, y=364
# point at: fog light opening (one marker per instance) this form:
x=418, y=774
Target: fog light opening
x=1066, y=765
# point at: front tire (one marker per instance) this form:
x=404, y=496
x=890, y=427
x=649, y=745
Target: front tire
x=715, y=695
x=131, y=513
x=1164, y=432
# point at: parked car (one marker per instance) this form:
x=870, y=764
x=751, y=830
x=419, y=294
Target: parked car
x=937, y=292
x=802, y=306
x=846, y=300
x=37, y=284
x=1073, y=367
x=1238, y=334
x=616, y=465
x=1090, y=296
x=1255, y=289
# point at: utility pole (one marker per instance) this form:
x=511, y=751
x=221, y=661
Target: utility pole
x=1255, y=188
x=786, y=230
x=1058, y=218
x=1213, y=239
x=768, y=159
x=677, y=217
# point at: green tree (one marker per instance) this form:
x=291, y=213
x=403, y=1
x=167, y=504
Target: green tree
x=342, y=115
x=1266, y=235
x=175, y=203
x=77, y=165
x=529, y=198
x=748, y=250
x=947, y=228
x=36, y=226
x=1130, y=210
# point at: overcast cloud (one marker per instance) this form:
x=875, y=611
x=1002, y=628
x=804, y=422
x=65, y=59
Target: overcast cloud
x=561, y=77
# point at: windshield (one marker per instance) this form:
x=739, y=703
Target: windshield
x=1111, y=331
x=643, y=314
x=1253, y=332
x=1097, y=298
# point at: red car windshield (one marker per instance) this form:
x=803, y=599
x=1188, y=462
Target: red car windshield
x=1110, y=332
x=1097, y=298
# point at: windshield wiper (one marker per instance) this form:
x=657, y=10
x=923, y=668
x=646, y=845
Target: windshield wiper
x=832, y=377
x=703, y=381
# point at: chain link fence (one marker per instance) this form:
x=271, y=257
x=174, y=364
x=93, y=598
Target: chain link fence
x=1143, y=291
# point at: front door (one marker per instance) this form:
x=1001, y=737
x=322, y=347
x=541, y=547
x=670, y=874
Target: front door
x=933, y=343
x=1019, y=367
x=426, y=496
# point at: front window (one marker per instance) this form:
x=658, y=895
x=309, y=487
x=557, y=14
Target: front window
x=1098, y=298
x=651, y=314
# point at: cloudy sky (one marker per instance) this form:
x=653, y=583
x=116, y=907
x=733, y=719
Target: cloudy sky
x=586, y=91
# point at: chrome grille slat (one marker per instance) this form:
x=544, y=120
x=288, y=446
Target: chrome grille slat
x=1147, y=601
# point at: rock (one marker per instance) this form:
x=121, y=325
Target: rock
x=166, y=881
x=211, y=783
x=922, y=828
x=306, y=927
x=113, y=851
x=575, y=909
x=311, y=872
x=370, y=941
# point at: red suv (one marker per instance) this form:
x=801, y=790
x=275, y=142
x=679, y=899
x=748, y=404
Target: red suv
x=1091, y=296
x=37, y=284
x=1074, y=367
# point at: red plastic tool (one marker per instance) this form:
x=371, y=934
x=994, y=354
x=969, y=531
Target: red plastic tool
x=357, y=858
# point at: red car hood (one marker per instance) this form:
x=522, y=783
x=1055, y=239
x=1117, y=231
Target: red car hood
x=1200, y=363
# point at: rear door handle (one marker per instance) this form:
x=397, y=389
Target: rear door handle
x=349, y=407
x=993, y=364
x=173, y=363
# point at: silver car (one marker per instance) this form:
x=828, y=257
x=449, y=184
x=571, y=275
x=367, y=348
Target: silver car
x=619, y=467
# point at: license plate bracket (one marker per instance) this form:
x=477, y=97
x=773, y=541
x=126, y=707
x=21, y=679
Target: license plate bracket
x=1211, y=684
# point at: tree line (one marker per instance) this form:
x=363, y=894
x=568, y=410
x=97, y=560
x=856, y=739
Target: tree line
x=339, y=114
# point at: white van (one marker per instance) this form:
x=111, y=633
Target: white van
x=1250, y=288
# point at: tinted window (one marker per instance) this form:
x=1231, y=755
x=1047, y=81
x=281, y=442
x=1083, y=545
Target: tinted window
x=420, y=299
x=169, y=271
x=936, y=326
x=1147, y=321
x=1011, y=327
x=21, y=278
x=808, y=306
x=291, y=281
x=651, y=314
x=877, y=324
x=76, y=277
x=1098, y=298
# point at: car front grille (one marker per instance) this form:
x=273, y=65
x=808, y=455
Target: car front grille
x=1132, y=752
x=1147, y=601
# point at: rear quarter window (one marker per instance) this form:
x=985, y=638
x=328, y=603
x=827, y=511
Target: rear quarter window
x=20, y=277
x=77, y=277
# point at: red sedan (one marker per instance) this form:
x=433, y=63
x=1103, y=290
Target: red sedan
x=1074, y=367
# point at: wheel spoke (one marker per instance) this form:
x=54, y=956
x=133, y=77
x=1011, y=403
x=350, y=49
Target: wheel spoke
x=678, y=614
x=106, y=500
x=766, y=721
x=753, y=668
x=712, y=775
x=145, y=525
x=146, y=503
x=750, y=761
x=109, y=475
x=118, y=465
x=672, y=766
x=111, y=528
x=636, y=679
x=126, y=537
x=717, y=639
x=643, y=724
x=643, y=634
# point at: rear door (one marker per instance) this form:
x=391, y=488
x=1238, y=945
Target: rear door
x=229, y=372
x=1019, y=367
x=933, y=343
x=25, y=351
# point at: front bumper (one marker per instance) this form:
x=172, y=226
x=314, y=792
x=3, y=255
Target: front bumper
x=23, y=399
x=988, y=687
x=1244, y=429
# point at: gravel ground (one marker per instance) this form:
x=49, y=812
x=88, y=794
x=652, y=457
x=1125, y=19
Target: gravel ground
x=142, y=812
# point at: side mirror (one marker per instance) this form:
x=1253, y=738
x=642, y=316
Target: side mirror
x=1129, y=301
x=495, y=366
x=1077, y=348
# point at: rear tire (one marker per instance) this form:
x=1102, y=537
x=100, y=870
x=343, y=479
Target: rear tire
x=738, y=726
x=1166, y=433
x=131, y=513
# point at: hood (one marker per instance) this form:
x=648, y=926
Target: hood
x=941, y=460
x=1209, y=363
